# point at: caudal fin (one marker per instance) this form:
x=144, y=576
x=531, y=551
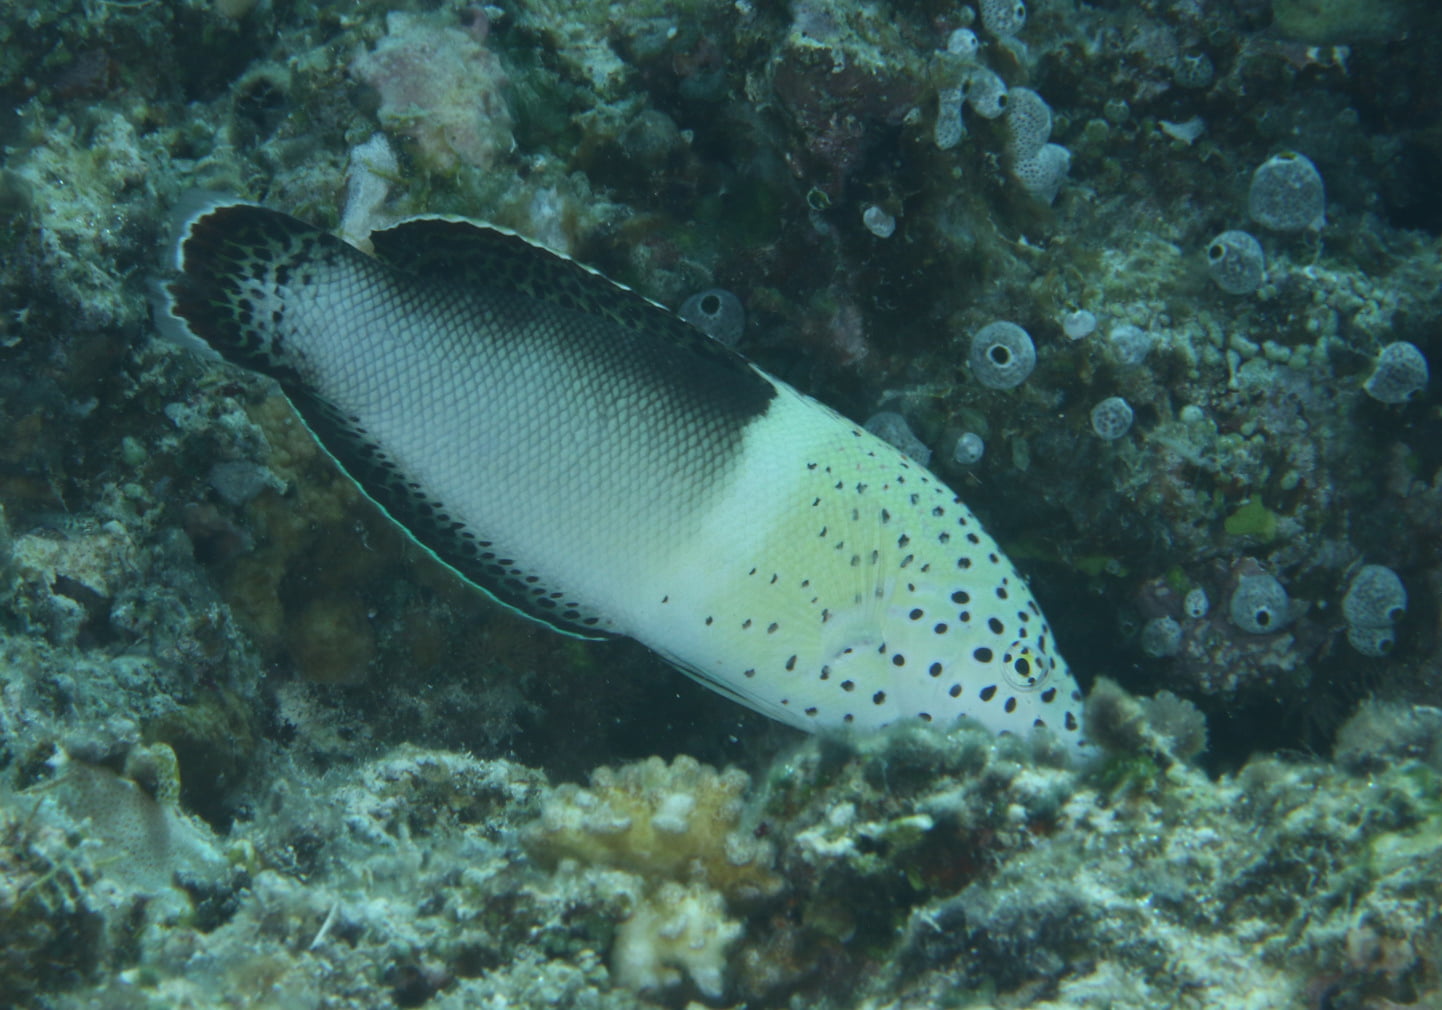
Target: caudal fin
x=238, y=265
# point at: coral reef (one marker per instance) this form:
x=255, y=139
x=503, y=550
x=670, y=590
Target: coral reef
x=679, y=832
x=443, y=89
x=257, y=748
x=683, y=821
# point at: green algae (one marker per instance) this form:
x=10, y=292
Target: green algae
x=1252, y=519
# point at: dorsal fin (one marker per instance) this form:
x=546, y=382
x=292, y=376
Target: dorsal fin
x=457, y=251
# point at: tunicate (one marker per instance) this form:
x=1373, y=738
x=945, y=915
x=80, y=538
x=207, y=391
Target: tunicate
x=1194, y=70
x=1259, y=604
x=1372, y=641
x=1028, y=121
x=1195, y=604
x=1401, y=371
x=1078, y=324
x=969, y=449
x=1287, y=194
x=878, y=222
x=717, y=313
x=1161, y=637
x=949, y=129
x=1002, y=355
x=963, y=42
x=1236, y=262
x=1003, y=17
x=1112, y=418
x=1376, y=597
x=985, y=92
x=890, y=426
x=1042, y=174
x=1131, y=344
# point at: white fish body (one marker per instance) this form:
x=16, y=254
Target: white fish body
x=585, y=457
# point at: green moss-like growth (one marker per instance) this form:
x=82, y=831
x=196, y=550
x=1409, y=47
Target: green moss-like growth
x=1253, y=520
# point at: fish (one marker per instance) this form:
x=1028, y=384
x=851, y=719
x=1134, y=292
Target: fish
x=590, y=460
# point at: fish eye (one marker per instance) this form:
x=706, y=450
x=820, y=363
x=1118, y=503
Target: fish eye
x=1023, y=669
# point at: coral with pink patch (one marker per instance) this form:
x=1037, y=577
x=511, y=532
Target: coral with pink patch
x=442, y=88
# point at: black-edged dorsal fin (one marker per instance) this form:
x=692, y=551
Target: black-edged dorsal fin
x=457, y=251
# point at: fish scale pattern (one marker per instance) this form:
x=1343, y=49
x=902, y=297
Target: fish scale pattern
x=589, y=459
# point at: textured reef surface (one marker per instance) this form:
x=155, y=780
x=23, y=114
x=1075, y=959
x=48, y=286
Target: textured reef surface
x=259, y=750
